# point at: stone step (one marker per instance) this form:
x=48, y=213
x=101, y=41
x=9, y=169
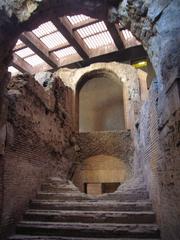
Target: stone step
x=29, y=237
x=62, y=196
x=89, y=216
x=125, y=196
x=100, y=230
x=91, y=205
x=80, y=196
x=47, y=187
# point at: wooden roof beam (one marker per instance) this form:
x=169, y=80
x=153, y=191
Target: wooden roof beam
x=114, y=31
x=65, y=27
x=39, y=48
x=21, y=64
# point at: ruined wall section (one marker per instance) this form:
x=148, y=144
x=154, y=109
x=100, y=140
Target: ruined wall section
x=39, y=142
x=158, y=152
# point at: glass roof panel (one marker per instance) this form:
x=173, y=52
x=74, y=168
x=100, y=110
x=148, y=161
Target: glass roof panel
x=24, y=52
x=14, y=71
x=127, y=34
x=77, y=18
x=34, y=60
x=65, y=52
x=53, y=40
x=44, y=29
x=92, y=29
x=99, y=40
x=19, y=42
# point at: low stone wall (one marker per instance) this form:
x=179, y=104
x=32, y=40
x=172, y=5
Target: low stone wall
x=38, y=143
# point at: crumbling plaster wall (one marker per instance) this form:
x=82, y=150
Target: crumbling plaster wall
x=39, y=142
x=154, y=23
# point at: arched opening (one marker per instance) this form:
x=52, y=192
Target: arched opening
x=100, y=174
x=100, y=102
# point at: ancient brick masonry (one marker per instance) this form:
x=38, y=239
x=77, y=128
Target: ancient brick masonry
x=38, y=142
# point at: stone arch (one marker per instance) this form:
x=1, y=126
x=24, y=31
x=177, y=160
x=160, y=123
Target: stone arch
x=122, y=74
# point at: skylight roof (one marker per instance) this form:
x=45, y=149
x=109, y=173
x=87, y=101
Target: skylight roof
x=92, y=29
x=19, y=42
x=127, y=34
x=24, y=52
x=44, y=29
x=65, y=52
x=77, y=19
x=34, y=60
x=14, y=71
x=54, y=40
x=99, y=40
x=84, y=34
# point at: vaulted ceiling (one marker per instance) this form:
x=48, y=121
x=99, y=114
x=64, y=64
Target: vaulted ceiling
x=73, y=41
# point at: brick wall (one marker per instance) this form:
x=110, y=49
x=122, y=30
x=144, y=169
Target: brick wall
x=38, y=144
x=113, y=143
x=159, y=154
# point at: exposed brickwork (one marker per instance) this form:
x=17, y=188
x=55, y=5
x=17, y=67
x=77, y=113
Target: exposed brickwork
x=159, y=152
x=117, y=144
x=38, y=143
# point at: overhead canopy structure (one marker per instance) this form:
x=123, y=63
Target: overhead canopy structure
x=73, y=41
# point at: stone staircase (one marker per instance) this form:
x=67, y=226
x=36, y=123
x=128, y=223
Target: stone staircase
x=60, y=211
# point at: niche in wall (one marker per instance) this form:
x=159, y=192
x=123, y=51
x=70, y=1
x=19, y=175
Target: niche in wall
x=101, y=106
x=100, y=174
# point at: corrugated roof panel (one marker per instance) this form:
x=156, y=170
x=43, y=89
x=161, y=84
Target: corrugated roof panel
x=77, y=18
x=13, y=70
x=65, y=52
x=25, y=52
x=34, y=60
x=92, y=29
x=53, y=40
x=127, y=34
x=44, y=29
x=19, y=42
x=99, y=40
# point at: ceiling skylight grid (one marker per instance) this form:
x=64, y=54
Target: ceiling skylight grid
x=44, y=29
x=65, y=52
x=99, y=40
x=77, y=19
x=19, y=42
x=53, y=40
x=34, y=60
x=127, y=34
x=25, y=52
x=14, y=71
x=92, y=29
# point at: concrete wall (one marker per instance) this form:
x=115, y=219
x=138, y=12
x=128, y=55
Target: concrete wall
x=101, y=106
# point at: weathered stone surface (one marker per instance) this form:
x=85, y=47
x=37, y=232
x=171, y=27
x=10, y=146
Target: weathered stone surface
x=108, y=220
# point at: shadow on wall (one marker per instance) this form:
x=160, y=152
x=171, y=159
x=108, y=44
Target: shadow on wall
x=100, y=174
